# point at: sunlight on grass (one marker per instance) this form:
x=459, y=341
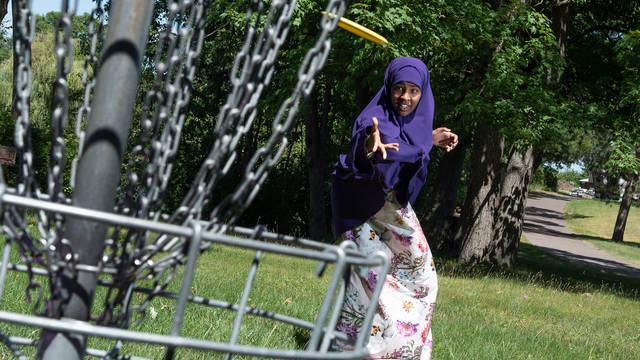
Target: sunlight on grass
x=493, y=318
x=283, y=284
x=593, y=220
x=543, y=308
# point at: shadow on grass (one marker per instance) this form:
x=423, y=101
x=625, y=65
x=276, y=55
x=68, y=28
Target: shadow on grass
x=535, y=266
x=543, y=227
x=302, y=337
x=576, y=216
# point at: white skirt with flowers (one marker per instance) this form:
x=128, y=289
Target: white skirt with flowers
x=401, y=326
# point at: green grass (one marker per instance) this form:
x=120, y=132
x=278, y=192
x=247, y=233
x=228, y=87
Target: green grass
x=284, y=284
x=543, y=308
x=593, y=220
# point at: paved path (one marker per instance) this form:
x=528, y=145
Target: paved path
x=544, y=227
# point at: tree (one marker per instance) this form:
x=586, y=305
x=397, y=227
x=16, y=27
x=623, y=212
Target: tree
x=625, y=157
x=512, y=108
x=4, y=7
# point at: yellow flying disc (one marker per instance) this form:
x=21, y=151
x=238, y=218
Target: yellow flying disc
x=360, y=30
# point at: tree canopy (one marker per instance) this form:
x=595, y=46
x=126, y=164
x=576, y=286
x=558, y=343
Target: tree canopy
x=522, y=82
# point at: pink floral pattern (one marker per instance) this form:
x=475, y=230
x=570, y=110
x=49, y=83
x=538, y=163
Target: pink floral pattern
x=406, y=328
x=401, y=327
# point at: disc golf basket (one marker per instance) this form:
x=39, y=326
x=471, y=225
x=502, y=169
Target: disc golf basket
x=96, y=264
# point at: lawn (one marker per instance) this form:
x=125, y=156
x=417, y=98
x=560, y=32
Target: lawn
x=542, y=309
x=593, y=220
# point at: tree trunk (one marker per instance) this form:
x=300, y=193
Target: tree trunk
x=440, y=224
x=559, y=17
x=476, y=232
x=510, y=211
x=625, y=206
x=316, y=138
x=4, y=8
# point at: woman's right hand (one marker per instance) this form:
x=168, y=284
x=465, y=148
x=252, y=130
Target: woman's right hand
x=374, y=143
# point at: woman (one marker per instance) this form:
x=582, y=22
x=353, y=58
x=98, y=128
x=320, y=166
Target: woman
x=373, y=187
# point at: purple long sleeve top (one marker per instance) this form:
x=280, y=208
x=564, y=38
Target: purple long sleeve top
x=360, y=184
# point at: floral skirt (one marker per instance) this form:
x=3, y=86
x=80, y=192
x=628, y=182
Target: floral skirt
x=401, y=326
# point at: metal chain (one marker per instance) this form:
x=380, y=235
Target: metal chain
x=177, y=51
x=163, y=270
x=241, y=106
x=25, y=27
x=251, y=74
x=144, y=255
x=60, y=100
x=256, y=59
x=266, y=157
x=58, y=249
x=89, y=81
x=164, y=107
x=14, y=220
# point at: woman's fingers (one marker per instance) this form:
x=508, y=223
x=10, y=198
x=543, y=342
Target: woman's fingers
x=392, y=146
x=383, y=152
x=377, y=142
x=376, y=135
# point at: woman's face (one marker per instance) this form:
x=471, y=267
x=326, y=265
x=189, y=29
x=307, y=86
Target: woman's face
x=405, y=97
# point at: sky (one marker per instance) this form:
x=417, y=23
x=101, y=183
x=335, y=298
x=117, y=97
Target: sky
x=42, y=7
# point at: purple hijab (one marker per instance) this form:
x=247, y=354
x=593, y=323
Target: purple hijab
x=359, y=185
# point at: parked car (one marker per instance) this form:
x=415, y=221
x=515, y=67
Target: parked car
x=577, y=192
x=580, y=192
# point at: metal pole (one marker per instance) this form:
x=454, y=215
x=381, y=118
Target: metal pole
x=99, y=167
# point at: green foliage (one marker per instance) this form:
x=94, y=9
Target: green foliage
x=550, y=178
x=43, y=63
x=625, y=156
x=488, y=65
x=6, y=46
x=571, y=175
x=545, y=178
x=601, y=83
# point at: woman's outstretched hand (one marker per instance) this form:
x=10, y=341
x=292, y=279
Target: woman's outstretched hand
x=374, y=143
x=444, y=138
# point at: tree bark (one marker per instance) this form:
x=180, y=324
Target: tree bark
x=478, y=213
x=316, y=138
x=510, y=211
x=559, y=17
x=623, y=212
x=4, y=8
x=440, y=223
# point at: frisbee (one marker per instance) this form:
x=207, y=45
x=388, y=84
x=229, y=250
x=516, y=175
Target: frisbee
x=359, y=30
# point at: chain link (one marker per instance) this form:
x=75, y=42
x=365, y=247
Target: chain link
x=257, y=68
x=15, y=220
x=60, y=101
x=251, y=74
x=58, y=249
x=25, y=27
x=163, y=115
x=97, y=17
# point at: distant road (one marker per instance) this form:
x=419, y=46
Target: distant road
x=544, y=227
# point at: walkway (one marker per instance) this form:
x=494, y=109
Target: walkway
x=544, y=227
